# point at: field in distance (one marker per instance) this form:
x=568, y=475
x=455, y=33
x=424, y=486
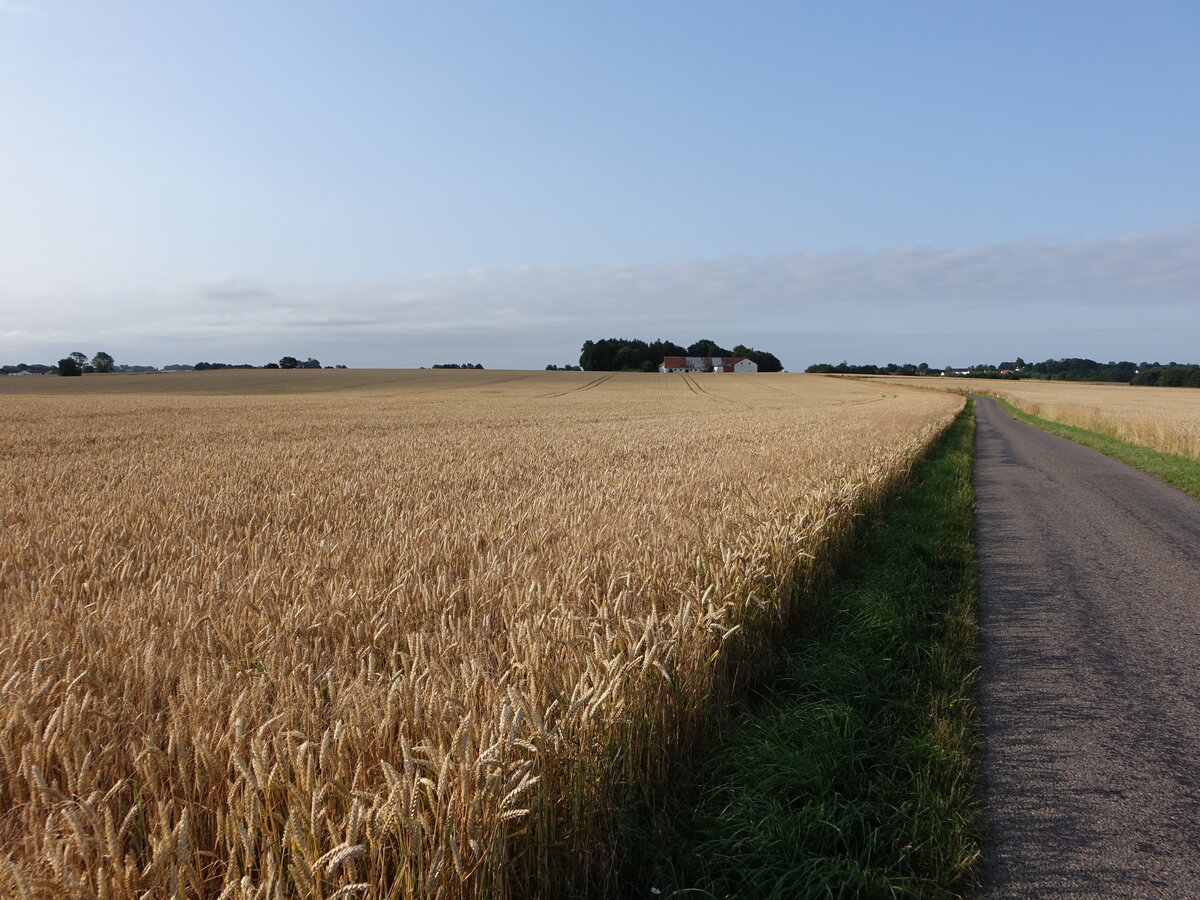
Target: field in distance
x=389, y=633
x=1166, y=419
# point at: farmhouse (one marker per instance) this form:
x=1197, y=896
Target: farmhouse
x=707, y=364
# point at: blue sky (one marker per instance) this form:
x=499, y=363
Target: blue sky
x=402, y=184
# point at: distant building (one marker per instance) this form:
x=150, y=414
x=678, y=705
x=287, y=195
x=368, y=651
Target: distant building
x=707, y=364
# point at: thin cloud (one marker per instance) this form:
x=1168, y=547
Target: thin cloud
x=16, y=8
x=1096, y=286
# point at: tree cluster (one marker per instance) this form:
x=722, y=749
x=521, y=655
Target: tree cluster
x=76, y=363
x=1170, y=375
x=1075, y=369
x=626, y=355
x=457, y=366
x=844, y=368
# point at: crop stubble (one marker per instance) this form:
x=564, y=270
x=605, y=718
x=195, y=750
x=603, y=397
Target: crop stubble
x=382, y=634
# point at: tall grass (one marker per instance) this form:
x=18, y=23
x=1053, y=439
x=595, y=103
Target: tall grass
x=409, y=638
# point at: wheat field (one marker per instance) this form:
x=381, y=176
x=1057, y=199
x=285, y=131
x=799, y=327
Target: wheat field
x=1161, y=418
x=383, y=634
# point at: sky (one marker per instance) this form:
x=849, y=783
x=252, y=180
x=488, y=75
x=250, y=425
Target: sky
x=394, y=184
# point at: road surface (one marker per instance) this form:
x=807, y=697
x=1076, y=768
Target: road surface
x=1090, y=687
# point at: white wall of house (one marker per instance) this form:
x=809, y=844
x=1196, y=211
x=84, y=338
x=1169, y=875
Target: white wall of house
x=694, y=364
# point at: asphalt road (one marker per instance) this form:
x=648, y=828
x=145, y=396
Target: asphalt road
x=1090, y=687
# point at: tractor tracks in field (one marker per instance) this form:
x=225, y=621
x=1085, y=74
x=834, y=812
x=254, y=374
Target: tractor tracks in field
x=469, y=385
x=698, y=388
x=589, y=386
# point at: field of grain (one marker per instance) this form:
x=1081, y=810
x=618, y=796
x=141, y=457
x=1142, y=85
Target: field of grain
x=1166, y=419
x=386, y=634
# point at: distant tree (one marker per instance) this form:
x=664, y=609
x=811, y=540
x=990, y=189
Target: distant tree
x=766, y=362
x=309, y=363
x=271, y=366
x=1171, y=375
x=339, y=366
x=705, y=347
x=1122, y=371
x=289, y=362
x=81, y=361
x=69, y=366
x=102, y=362
x=661, y=348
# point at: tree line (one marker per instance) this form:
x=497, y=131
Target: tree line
x=625, y=355
x=1072, y=368
x=74, y=364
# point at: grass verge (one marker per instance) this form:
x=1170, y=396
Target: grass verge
x=854, y=772
x=1177, y=471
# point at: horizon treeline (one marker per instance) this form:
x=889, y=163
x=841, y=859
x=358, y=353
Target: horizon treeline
x=1154, y=374
x=76, y=363
x=626, y=355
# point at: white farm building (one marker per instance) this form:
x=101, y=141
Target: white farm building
x=707, y=364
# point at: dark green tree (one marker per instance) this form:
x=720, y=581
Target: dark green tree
x=68, y=366
x=705, y=347
x=289, y=362
x=767, y=362
x=102, y=362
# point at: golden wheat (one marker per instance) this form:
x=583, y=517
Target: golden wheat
x=1166, y=419
x=388, y=634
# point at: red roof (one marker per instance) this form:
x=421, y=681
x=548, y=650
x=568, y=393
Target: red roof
x=680, y=362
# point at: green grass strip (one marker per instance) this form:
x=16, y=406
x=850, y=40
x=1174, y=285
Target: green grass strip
x=855, y=772
x=1177, y=471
